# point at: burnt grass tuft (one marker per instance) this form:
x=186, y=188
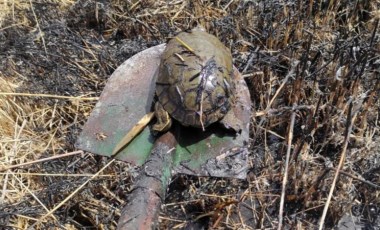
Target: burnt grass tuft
x=319, y=60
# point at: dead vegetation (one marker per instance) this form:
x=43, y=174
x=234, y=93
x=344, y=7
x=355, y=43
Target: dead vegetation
x=314, y=62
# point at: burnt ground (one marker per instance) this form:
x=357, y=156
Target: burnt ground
x=316, y=61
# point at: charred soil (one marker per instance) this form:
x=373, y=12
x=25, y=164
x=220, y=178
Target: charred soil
x=313, y=72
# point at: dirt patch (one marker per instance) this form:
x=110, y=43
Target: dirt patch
x=318, y=61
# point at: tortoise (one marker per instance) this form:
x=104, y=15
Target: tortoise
x=195, y=84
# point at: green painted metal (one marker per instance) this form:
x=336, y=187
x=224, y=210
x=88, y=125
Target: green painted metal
x=126, y=98
x=138, y=150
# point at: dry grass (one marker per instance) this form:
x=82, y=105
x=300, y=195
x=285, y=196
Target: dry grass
x=318, y=60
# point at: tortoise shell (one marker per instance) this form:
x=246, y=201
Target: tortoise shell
x=194, y=83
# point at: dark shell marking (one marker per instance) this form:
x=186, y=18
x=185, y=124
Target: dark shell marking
x=191, y=83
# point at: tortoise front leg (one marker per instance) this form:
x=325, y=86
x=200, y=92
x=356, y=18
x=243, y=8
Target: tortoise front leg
x=164, y=122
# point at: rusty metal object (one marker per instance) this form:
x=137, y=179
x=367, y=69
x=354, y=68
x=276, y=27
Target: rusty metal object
x=126, y=98
x=194, y=83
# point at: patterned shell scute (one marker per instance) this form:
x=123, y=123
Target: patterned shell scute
x=195, y=84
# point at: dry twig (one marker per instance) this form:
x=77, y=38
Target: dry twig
x=285, y=179
x=353, y=111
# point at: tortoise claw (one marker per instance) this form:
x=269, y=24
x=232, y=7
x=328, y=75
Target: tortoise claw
x=230, y=121
x=164, y=122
